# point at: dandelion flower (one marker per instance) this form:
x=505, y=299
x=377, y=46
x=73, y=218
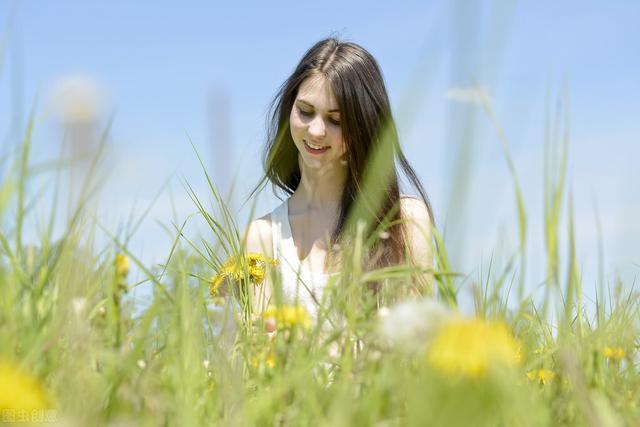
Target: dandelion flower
x=266, y=358
x=287, y=316
x=122, y=265
x=542, y=376
x=271, y=360
x=19, y=391
x=78, y=99
x=234, y=269
x=613, y=353
x=471, y=347
x=411, y=324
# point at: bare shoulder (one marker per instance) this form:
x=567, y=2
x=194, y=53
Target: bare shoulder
x=418, y=228
x=415, y=211
x=258, y=236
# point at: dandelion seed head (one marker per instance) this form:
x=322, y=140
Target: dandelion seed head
x=411, y=324
x=78, y=99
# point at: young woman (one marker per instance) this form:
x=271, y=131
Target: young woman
x=332, y=148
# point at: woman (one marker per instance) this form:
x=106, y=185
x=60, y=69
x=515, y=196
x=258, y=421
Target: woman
x=332, y=148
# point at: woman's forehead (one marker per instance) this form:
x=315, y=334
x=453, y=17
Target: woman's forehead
x=316, y=90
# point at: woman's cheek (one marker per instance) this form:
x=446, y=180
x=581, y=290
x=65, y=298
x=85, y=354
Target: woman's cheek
x=294, y=125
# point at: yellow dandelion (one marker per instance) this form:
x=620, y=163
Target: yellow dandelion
x=271, y=360
x=613, y=353
x=287, y=316
x=233, y=268
x=268, y=359
x=19, y=391
x=122, y=265
x=542, y=376
x=471, y=347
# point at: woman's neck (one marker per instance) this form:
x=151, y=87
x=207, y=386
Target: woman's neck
x=320, y=188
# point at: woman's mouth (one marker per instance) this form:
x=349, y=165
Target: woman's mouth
x=313, y=148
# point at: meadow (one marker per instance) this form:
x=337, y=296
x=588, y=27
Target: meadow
x=74, y=353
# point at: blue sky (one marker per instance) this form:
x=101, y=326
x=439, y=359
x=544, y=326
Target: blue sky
x=161, y=64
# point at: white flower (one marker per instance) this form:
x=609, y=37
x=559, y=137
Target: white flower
x=141, y=364
x=205, y=364
x=78, y=99
x=411, y=324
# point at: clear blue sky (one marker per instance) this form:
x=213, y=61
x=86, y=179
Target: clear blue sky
x=161, y=63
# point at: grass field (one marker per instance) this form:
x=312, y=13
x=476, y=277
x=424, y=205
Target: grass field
x=73, y=352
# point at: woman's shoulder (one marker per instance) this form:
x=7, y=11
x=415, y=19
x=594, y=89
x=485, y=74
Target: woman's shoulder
x=418, y=228
x=259, y=234
x=414, y=209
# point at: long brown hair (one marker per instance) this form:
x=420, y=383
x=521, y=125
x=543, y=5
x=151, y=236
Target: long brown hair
x=370, y=137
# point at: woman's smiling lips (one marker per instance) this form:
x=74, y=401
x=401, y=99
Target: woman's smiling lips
x=312, y=148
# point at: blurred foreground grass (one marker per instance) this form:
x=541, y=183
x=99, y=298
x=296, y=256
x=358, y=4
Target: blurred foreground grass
x=72, y=352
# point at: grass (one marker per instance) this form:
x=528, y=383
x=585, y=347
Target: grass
x=70, y=341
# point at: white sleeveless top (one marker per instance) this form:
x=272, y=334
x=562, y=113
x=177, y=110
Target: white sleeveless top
x=299, y=284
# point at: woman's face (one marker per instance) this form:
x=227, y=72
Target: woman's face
x=315, y=125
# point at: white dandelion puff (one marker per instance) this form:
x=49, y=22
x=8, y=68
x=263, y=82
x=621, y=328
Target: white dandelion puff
x=410, y=325
x=78, y=99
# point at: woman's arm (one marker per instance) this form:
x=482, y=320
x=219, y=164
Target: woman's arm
x=419, y=240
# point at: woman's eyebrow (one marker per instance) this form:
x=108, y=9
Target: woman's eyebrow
x=311, y=105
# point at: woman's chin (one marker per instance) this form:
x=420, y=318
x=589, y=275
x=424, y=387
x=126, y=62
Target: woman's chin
x=313, y=162
x=322, y=166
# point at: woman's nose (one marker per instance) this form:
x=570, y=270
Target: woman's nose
x=316, y=127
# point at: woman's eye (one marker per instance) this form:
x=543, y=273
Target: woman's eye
x=305, y=113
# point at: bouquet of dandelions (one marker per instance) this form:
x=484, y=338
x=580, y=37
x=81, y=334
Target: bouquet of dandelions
x=242, y=277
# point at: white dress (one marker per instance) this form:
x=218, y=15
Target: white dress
x=299, y=284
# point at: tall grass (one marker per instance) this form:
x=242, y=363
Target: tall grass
x=66, y=322
x=73, y=344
